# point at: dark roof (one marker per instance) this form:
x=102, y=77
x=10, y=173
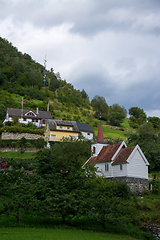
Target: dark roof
x=15, y=112
x=84, y=127
x=52, y=125
x=123, y=155
x=64, y=123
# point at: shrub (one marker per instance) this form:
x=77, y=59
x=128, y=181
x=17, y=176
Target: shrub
x=156, y=185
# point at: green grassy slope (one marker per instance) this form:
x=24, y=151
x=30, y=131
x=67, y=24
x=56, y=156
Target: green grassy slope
x=56, y=234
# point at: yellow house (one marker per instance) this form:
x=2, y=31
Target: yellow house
x=55, y=130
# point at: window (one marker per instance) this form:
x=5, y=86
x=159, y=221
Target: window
x=68, y=127
x=32, y=120
x=43, y=121
x=121, y=168
x=60, y=127
x=88, y=133
x=73, y=137
x=106, y=167
x=30, y=114
x=94, y=150
x=53, y=135
x=36, y=120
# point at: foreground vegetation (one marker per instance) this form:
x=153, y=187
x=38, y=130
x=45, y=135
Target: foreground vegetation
x=53, y=191
x=56, y=234
x=24, y=155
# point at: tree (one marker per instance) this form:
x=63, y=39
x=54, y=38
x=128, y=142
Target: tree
x=2, y=112
x=106, y=198
x=148, y=141
x=117, y=114
x=137, y=116
x=2, y=77
x=155, y=122
x=17, y=194
x=100, y=107
x=64, y=196
x=84, y=94
x=66, y=157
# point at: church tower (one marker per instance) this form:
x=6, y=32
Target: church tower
x=97, y=146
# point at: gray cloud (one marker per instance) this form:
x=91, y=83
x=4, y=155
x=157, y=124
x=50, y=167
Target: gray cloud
x=109, y=48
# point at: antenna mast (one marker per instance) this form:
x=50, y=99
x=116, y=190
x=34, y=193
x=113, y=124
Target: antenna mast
x=44, y=78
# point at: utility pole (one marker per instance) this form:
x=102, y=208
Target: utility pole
x=44, y=78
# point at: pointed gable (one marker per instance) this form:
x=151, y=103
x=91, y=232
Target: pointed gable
x=107, y=153
x=123, y=155
x=100, y=137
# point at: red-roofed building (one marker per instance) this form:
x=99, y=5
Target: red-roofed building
x=119, y=161
x=98, y=145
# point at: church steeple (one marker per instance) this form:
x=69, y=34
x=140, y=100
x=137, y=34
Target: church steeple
x=100, y=137
x=100, y=143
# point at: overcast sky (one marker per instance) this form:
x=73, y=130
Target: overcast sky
x=110, y=48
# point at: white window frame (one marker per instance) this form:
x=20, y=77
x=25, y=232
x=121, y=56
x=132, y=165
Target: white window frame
x=121, y=167
x=53, y=135
x=106, y=167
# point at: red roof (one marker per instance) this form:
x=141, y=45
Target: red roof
x=92, y=159
x=106, y=154
x=123, y=155
x=100, y=137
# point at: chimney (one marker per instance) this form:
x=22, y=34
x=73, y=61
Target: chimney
x=48, y=107
x=37, y=111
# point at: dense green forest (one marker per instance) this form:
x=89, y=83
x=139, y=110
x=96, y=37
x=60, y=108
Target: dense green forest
x=52, y=190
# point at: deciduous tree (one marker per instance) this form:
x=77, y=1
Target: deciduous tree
x=117, y=114
x=100, y=107
x=137, y=116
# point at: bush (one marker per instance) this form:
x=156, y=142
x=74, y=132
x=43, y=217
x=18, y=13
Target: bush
x=156, y=185
x=37, y=143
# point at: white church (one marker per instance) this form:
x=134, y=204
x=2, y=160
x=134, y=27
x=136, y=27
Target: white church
x=119, y=161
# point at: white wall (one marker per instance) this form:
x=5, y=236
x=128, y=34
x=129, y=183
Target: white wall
x=101, y=167
x=98, y=147
x=137, y=167
x=86, y=136
x=120, y=173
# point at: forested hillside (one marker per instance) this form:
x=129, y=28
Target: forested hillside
x=21, y=76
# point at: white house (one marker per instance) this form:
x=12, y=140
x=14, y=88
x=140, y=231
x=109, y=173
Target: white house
x=86, y=130
x=26, y=116
x=118, y=160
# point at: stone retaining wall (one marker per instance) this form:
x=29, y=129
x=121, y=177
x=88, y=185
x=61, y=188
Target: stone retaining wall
x=18, y=136
x=8, y=149
x=154, y=229
x=137, y=185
